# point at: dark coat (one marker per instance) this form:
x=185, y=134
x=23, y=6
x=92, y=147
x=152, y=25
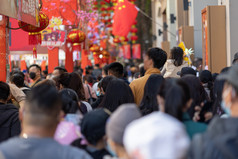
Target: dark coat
x=9, y=121
x=220, y=141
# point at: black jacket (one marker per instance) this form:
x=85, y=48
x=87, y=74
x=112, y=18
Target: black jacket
x=97, y=102
x=9, y=121
x=220, y=141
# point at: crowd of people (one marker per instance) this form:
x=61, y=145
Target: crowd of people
x=161, y=109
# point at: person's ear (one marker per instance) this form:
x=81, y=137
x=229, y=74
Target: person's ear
x=160, y=101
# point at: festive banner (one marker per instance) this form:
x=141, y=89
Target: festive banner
x=136, y=51
x=65, y=9
x=53, y=59
x=127, y=51
x=23, y=10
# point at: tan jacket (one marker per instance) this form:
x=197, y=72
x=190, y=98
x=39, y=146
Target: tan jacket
x=138, y=85
x=170, y=70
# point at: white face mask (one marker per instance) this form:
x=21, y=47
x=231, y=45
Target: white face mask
x=226, y=107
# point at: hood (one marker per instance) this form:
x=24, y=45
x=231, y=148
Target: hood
x=8, y=113
x=224, y=134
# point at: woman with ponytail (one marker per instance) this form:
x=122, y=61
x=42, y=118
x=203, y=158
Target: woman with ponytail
x=174, y=99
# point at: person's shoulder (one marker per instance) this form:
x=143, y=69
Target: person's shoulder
x=7, y=145
x=74, y=153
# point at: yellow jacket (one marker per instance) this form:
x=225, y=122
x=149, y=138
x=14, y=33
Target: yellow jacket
x=138, y=85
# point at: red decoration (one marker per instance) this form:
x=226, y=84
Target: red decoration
x=34, y=53
x=94, y=48
x=134, y=38
x=108, y=1
x=76, y=36
x=102, y=3
x=127, y=51
x=116, y=40
x=34, y=32
x=124, y=17
x=134, y=30
x=136, y=51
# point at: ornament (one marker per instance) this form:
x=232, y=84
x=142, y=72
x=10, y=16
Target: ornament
x=76, y=36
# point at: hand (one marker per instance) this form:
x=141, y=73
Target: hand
x=17, y=93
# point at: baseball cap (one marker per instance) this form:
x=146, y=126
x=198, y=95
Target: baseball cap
x=186, y=71
x=118, y=121
x=157, y=135
x=93, y=125
x=230, y=76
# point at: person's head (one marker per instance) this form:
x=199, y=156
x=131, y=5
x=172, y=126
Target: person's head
x=96, y=66
x=177, y=56
x=69, y=101
x=89, y=70
x=105, y=71
x=117, y=124
x=142, y=70
x=4, y=92
x=17, y=79
x=59, y=71
x=115, y=69
x=45, y=73
x=149, y=102
x=117, y=93
x=157, y=136
x=235, y=60
x=47, y=82
x=104, y=83
x=230, y=91
x=74, y=82
x=186, y=71
x=197, y=92
x=93, y=126
x=17, y=72
x=42, y=111
x=174, y=97
x=155, y=58
x=88, y=79
x=35, y=72
x=205, y=76
x=198, y=64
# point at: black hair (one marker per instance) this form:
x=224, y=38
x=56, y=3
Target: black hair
x=61, y=69
x=149, y=102
x=74, y=82
x=69, y=101
x=116, y=69
x=158, y=56
x=197, y=92
x=226, y=69
x=117, y=93
x=197, y=62
x=17, y=79
x=45, y=72
x=218, y=89
x=105, y=69
x=44, y=100
x=142, y=71
x=176, y=95
x=206, y=78
x=4, y=91
x=105, y=81
x=35, y=65
x=17, y=72
x=88, y=78
x=177, y=56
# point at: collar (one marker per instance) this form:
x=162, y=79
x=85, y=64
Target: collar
x=152, y=71
x=186, y=117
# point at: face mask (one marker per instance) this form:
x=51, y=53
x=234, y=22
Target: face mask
x=32, y=75
x=226, y=108
x=98, y=93
x=111, y=151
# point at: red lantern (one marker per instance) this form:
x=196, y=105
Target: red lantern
x=109, y=25
x=104, y=14
x=95, y=3
x=102, y=3
x=134, y=30
x=94, y=48
x=134, y=38
x=105, y=56
x=114, y=1
x=116, y=40
x=34, y=32
x=135, y=22
x=76, y=36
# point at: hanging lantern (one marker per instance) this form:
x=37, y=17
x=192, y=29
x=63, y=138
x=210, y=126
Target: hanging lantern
x=34, y=32
x=104, y=14
x=94, y=48
x=134, y=30
x=135, y=22
x=34, y=53
x=116, y=40
x=102, y=3
x=134, y=38
x=105, y=56
x=76, y=36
